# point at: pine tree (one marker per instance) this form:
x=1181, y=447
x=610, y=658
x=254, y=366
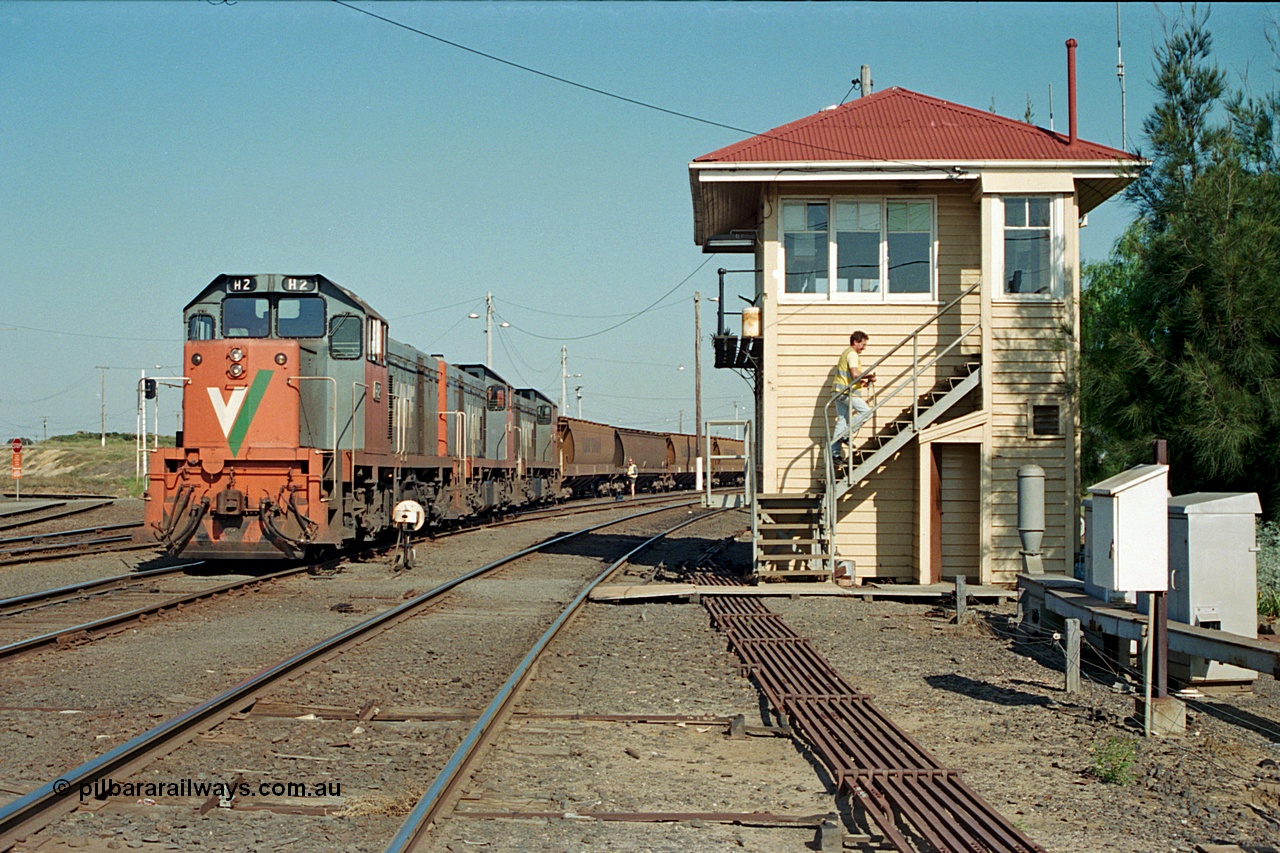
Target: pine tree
x=1182, y=323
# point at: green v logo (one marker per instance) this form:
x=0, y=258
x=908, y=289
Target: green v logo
x=236, y=412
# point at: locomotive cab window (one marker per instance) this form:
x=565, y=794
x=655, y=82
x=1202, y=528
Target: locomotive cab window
x=544, y=415
x=300, y=317
x=200, y=327
x=246, y=317
x=497, y=398
x=377, y=339
x=344, y=336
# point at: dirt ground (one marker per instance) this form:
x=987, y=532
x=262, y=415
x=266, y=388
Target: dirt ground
x=1072, y=771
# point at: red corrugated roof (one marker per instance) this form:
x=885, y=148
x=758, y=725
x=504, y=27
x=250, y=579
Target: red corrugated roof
x=898, y=124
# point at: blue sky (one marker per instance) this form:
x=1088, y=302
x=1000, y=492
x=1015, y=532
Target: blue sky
x=149, y=146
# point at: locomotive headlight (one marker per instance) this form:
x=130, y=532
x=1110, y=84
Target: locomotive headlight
x=236, y=354
x=236, y=371
x=281, y=358
x=196, y=358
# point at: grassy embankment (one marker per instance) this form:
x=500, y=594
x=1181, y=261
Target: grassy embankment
x=80, y=464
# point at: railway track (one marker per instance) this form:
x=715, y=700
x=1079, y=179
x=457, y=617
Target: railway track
x=64, y=543
x=79, y=591
x=27, y=814
x=50, y=509
x=33, y=607
x=80, y=631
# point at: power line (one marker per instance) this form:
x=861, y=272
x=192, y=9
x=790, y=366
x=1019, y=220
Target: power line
x=848, y=155
x=98, y=337
x=583, y=316
x=639, y=313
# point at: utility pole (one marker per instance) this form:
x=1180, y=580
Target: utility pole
x=488, y=330
x=565, y=376
x=1124, y=129
x=103, y=396
x=46, y=427
x=697, y=382
x=579, y=391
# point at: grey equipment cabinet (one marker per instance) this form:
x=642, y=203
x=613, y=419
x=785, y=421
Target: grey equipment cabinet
x=1213, y=573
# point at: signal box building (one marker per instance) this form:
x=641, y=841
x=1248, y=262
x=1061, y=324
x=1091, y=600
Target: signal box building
x=950, y=236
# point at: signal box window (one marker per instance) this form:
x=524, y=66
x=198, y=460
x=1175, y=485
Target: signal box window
x=246, y=318
x=909, y=239
x=344, y=336
x=200, y=327
x=880, y=249
x=1028, y=263
x=300, y=317
x=804, y=226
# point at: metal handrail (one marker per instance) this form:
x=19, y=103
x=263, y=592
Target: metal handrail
x=463, y=442
x=748, y=465
x=337, y=459
x=828, y=497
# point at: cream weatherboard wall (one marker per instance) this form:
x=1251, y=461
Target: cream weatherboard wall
x=891, y=524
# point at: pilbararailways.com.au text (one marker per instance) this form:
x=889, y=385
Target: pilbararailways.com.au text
x=101, y=789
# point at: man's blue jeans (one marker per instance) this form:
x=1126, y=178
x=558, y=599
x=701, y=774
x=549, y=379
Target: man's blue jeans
x=843, y=428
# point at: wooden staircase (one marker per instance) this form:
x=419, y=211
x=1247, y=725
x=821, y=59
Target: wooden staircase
x=791, y=537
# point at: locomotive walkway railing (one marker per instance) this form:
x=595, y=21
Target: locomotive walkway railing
x=337, y=461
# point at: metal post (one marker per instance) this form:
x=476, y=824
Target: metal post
x=1073, y=656
x=962, y=598
x=697, y=383
x=1148, y=647
x=1159, y=600
x=915, y=393
x=488, y=330
x=103, y=399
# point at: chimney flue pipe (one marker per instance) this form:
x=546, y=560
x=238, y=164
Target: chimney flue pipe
x=1071, y=89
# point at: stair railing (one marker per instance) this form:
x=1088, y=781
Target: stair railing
x=917, y=369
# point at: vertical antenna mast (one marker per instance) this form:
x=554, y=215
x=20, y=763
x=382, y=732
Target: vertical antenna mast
x=1124, y=130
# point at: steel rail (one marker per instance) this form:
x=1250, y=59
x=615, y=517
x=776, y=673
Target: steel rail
x=54, y=515
x=36, y=537
x=903, y=789
x=97, y=586
x=432, y=802
x=37, y=808
x=90, y=631
x=577, y=506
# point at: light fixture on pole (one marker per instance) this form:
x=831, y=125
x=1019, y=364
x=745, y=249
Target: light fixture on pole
x=565, y=376
x=488, y=328
x=578, y=390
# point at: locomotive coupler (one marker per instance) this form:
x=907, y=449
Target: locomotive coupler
x=229, y=502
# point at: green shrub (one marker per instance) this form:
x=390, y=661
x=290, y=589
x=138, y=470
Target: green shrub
x=1269, y=569
x=1113, y=760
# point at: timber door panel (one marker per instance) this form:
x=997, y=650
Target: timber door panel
x=960, y=526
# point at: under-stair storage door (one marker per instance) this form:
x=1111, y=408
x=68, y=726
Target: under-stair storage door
x=959, y=531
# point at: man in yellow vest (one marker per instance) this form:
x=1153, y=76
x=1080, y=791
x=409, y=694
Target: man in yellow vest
x=846, y=388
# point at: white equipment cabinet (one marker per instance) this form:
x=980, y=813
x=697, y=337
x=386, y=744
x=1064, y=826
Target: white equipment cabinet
x=1129, y=537
x=1214, y=570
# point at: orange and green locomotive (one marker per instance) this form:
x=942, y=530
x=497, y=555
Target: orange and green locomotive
x=305, y=425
